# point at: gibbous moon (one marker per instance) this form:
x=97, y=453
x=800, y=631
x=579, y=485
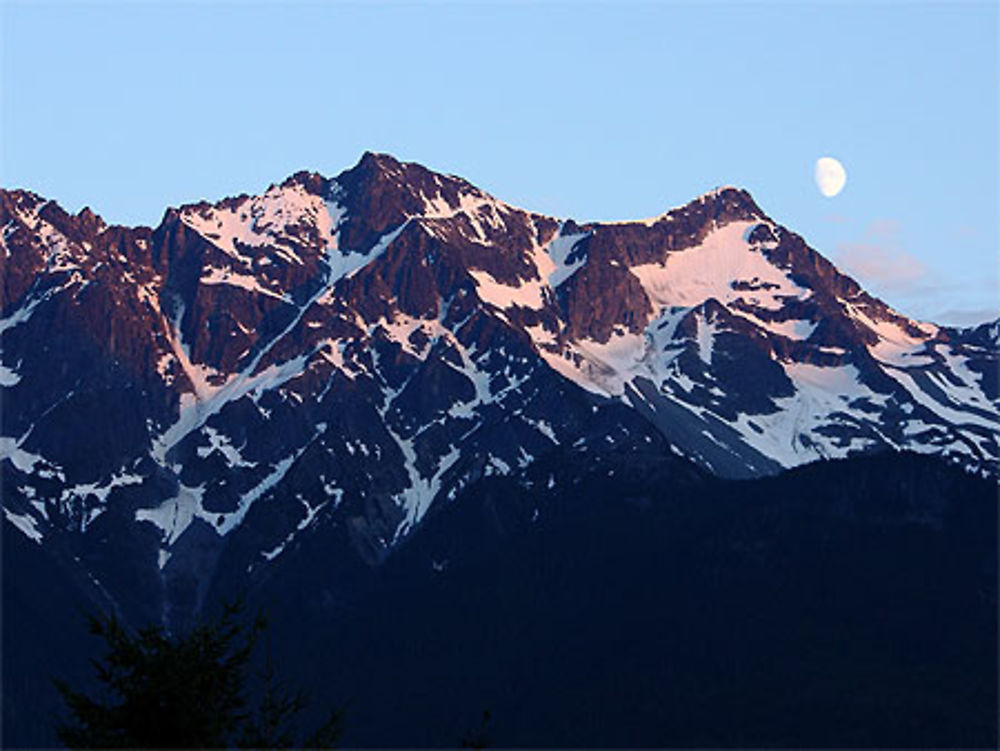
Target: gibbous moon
x=830, y=176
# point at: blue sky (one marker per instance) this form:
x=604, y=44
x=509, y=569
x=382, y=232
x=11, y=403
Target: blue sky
x=595, y=111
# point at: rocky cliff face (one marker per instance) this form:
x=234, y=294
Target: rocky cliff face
x=354, y=350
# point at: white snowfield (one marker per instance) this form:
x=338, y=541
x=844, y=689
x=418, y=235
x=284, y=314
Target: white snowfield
x=940, y=405
x=728, y=269
x=262, y=222
x=708, y=271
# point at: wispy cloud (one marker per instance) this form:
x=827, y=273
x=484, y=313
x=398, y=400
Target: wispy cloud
x=878, y=259
x=884, y=267
x=967, y=316
x=837, y=219
x=887, y=228
x=967, y=231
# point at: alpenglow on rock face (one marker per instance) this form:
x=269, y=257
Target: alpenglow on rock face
x=360, y=348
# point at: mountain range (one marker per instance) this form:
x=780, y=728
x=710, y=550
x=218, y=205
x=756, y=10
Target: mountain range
x=323, y=375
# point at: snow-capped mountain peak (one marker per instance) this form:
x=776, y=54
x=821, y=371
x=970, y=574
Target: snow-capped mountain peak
x=354, y=350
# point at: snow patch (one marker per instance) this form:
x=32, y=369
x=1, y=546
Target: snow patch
x=101, y=492
x=264, y=221
x=8, y=377
x=895, y=346
x=723, y=267
x=25, y=461
x=175, y=515
x=602, y=367
x=212, y=275
x=307, y=520
x=221, y=443
x=823, y=397
x=706, y=336
x=552, y=268
x=345, y=264
x=26, y=523
x=527, y=294
x=948, y=414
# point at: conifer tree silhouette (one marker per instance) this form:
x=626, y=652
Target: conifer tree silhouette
x=191, y=691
